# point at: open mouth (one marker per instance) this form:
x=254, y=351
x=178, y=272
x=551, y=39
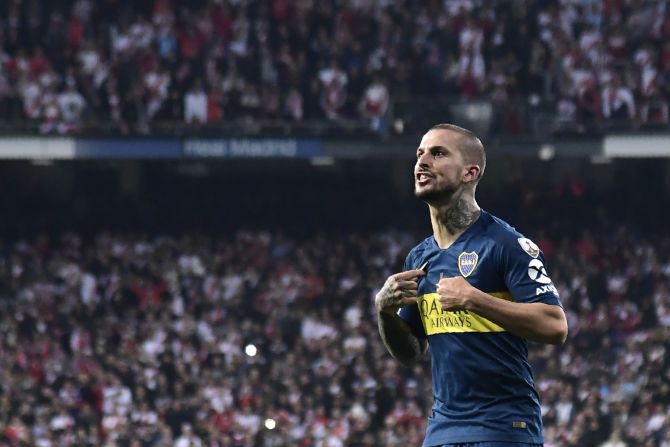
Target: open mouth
x=423, y=178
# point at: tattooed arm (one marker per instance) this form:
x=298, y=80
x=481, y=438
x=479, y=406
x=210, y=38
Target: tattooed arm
x=399, y=290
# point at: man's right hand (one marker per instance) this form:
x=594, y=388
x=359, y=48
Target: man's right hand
x=399, y=290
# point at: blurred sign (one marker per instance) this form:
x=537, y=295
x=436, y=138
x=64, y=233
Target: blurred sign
x=252, y=148
x=322, y=152
x=35, y=148
x=637, y=146
x=48, y=148
x=127, y=148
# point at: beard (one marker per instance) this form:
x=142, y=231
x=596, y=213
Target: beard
x=435, y=195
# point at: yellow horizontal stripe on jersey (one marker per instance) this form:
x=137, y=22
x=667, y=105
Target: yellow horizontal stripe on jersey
x=437, y=321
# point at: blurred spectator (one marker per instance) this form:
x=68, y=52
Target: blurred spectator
x=129, y=53
x=618, y=102
x=138, y=340
x=293, y=105
x=654, y=110
x=195, y=105
x=71, y=104
x=157, y=83
x=589, y=109
x=375, y=103
x=333, y=98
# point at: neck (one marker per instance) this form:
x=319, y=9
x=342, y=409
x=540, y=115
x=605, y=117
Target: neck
x=451, y=219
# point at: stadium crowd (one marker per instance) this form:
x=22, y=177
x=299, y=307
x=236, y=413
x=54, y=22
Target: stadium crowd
x=134, y=66
x=261, y=339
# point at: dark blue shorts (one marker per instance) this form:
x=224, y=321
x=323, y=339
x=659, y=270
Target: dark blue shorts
x=492, y=444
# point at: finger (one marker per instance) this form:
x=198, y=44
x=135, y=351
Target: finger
x=408, y=300
x=452, y=279
x=411, y=292
x=409, y=274
x=447, y=283
x=407, y=285
x=444, y=292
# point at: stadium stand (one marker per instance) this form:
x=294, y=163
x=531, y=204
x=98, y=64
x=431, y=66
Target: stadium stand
x=136, y=337
x=153, y=66
x=229, y=303
x=126, y=339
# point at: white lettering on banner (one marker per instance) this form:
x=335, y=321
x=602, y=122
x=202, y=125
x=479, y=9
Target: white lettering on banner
x=263, y=148
x=241, y=148
x=206, y=148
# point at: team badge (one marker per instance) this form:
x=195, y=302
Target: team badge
x=467, y=263
x=529, y=246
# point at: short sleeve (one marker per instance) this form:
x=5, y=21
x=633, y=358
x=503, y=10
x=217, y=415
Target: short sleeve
x=525, y=272
x=410, y=313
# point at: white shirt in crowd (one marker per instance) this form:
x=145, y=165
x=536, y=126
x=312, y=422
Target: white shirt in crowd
x=195, y=106
x=187, y=438
x=376, y=99
x=71, y=104
x=616, y=97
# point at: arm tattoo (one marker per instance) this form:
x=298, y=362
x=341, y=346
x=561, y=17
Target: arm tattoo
x=399, y=340
x=459, y=216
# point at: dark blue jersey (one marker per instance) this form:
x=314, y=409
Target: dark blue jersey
x=482, y=381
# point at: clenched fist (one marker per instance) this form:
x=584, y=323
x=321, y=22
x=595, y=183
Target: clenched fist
x=398, y=290
x=454, y=293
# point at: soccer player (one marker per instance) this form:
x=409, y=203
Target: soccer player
x=475, y=291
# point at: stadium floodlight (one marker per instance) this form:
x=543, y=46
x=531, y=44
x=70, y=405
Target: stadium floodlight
x=250, y=350
x=546, y=152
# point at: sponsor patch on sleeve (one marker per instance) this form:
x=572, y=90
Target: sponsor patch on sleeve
x=529, y=246
x=537, y=272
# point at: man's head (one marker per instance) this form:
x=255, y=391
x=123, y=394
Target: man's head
x=449, y=159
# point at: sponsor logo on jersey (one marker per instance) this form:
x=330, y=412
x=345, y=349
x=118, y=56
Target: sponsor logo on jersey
x=467, y=263
x=544, y=289
x=438, y=321
x=537, y=272
x=529, y=246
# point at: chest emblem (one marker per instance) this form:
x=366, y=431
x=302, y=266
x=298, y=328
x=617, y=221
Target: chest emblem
x=467, y=261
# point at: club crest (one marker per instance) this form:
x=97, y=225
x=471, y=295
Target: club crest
x=467, y=263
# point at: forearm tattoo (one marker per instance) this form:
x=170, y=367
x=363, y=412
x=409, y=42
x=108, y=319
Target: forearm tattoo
x=399, y=340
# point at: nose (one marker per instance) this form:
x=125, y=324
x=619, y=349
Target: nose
x=422, y=161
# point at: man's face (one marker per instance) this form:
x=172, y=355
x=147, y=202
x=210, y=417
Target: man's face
x=440, y=169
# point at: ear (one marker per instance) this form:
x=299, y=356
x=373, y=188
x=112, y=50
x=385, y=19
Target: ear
x=472, y=173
